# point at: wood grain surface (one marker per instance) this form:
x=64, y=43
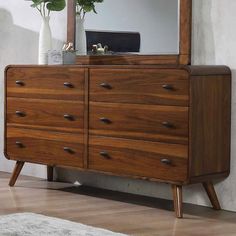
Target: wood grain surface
x=138, y=158
x=41, y=112
x=155, y=123
x=139, y=86
x=46, y=82
x=210, y=118
x=44, y=147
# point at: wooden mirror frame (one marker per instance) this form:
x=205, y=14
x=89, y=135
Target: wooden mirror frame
x=183, y=58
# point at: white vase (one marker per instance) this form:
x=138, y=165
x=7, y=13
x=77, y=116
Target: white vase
x=45, y=41
x=81, y=43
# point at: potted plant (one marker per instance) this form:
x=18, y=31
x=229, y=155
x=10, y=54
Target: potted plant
x=45, y=7
x=82, y=8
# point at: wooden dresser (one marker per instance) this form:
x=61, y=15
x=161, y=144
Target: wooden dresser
x=161, y=123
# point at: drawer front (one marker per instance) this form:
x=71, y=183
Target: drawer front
x=140, y=86
x=138, y=158
x=51, y=148
x=155, y=123
x=46, y=82
x=51, y=113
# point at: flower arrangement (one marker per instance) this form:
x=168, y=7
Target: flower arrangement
x=46, y=6
x=85, y=6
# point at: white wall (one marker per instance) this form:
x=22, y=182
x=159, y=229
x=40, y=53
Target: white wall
x=214, y=38
x=19, y=27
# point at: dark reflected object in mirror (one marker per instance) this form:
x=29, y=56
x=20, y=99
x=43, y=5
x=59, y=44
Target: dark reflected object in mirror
x=116, y=41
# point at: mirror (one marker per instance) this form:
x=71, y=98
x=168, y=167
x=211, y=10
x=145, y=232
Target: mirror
x=131, y=26
x=139, y=31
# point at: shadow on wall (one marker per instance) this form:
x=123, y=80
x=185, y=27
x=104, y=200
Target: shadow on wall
x=17, y=45
x=203, y=44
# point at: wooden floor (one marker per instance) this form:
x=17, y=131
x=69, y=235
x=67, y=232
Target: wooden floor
x=119, y=212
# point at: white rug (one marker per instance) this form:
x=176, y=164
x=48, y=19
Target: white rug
x=30, y=224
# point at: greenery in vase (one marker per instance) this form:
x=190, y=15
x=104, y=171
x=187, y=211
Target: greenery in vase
x=85, y=6
x=46, y=6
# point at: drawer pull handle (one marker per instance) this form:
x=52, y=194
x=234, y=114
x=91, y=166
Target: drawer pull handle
x=20, y=83
x=168, y=87
x=68, y=150
x=20, y=113
x=105, y=154
x=106, y=85
x=167, y=124
x=105, y=120
x=19, y=144
x=166, y=161
x=69, y=117
x=68, y=85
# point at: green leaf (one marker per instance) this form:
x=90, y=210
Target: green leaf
x=56, y=5
x=87, y=8
x=88, y=5
x=36, y=3
x=52, y=5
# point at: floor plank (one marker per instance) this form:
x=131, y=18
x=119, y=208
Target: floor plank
x=119, y=212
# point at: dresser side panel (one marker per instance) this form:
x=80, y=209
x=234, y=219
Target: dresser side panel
x=210, y=124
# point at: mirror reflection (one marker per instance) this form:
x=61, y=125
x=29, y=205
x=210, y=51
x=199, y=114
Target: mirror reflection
x=127, y=26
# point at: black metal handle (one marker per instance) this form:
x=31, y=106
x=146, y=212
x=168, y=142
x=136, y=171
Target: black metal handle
x=166, y=161
x=106, y=85
x=167, y=124
x=69, y=150
x=69, y=117
x=20, y=113
x=68, y=85
x=19, y=144
x=105, y=120
x=105, y=154
x=168, y=87
x=20, y=83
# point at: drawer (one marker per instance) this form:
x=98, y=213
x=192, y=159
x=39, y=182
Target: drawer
x=63, y=83
x=140, y=86
x=153, y=122
x=43, y=147
x=51, y=113
x=144, y=159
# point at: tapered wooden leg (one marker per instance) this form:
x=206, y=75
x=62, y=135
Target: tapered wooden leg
x=177, y=197
x=50, y=173
x=209, y=187
x=18, y=167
